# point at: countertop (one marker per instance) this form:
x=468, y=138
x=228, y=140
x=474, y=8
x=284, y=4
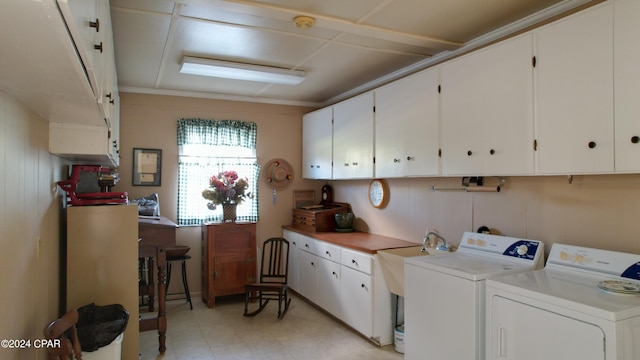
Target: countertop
x=356, y=240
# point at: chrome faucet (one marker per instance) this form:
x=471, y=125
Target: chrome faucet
x=442, y=243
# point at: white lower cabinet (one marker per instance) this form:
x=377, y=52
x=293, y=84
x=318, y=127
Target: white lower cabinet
x=329, y=280
x=357, y=298
x=307, y=275
x=346, y=283
x=292, y=279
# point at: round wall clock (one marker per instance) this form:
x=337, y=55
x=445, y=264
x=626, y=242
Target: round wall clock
x=378, y=193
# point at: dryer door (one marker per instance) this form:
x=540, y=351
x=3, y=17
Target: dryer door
x=518, y=331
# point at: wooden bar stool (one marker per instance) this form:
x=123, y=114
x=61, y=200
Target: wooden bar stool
x=179, y=253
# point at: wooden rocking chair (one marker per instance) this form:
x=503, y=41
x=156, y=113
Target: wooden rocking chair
x=272, y=284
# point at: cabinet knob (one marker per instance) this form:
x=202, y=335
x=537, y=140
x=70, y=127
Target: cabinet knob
x=95, y=24
x=327, y=252
x=396, y=160
x=592, y=144
x=98, y=47
x=492, y=152
x=635, y=139
x=353, y=261
x=354, y=163
x=409, y=158
x=469, y=153
x=346, y=164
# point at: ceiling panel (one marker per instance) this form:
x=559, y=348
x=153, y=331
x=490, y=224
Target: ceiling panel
x=454, y=20
x=242, y=15
x=139, y=40
x=357, y=67
x=237, y=43
x=159, y=6
x=350, y=10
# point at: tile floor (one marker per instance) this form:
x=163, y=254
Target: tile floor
x=223, y=333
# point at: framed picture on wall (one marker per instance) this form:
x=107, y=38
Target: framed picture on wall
x=147, y=165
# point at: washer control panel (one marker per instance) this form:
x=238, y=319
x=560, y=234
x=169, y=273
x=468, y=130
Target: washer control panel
x=601, y=261
x=502, y=245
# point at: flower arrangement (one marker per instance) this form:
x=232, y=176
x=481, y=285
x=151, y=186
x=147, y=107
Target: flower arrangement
x=226, y=188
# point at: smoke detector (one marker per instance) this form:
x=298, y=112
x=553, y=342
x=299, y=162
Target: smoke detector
x=303, y=22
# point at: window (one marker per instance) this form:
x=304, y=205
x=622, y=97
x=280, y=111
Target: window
x=205, y=148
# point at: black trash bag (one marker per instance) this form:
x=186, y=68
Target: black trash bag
x=98, y=326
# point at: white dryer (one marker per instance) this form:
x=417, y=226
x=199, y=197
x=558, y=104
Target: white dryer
x=445, y=294
x=584, y=305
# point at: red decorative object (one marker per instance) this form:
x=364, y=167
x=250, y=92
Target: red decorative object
x=95, y=198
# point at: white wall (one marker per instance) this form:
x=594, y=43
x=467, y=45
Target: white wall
x=29, y=227
x=150, y=121
x=600, y=211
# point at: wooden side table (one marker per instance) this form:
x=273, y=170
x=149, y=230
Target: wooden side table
x=228, y=259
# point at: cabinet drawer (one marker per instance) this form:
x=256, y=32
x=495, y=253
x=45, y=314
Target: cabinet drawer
x=328, y=251
x=305, y=222
x=357, y=260
x=308, y=244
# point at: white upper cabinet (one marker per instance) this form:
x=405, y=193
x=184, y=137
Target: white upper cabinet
x=559, y=99
x=627, y=85
x=574, y=93
x=317, y=142
x=82, y=18
x=487, y=110
x=353, y=138
x=88, y=23
x=407, y=126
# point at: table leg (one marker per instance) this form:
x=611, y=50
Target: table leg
x=151, y=287
x=162, y=293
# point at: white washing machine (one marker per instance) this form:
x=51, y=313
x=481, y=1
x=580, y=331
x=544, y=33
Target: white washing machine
x=585, y=304
x=445, y=294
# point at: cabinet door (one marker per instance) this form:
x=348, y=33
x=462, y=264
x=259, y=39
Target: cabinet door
x=627, y=85
x=574, y=73
x=356, y=300
x=487, y=110
x=308, y=275
x=329, y=286
x=407, y=133
x=232, y=272
x=317, y=142
x=83, y=23
x=293, y=258
x=353, y=138
x=514, y=327
x=85, y=143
